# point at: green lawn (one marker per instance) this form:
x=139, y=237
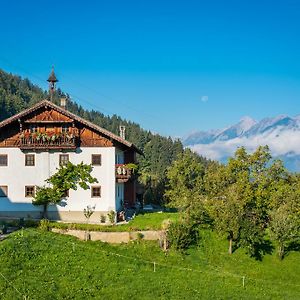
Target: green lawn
x=146, y=221
x=45, y=265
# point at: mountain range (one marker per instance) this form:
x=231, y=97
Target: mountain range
x=281, y=134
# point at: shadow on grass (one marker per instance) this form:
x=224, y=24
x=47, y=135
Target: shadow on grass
x=157, y=210
x=263, y=248
x=294, y=246
x=258, y=250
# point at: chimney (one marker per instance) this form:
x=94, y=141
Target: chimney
x=122, y=132
x=63, y=103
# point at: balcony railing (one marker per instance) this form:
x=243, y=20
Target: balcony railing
x=123, y=173
x=46, y=141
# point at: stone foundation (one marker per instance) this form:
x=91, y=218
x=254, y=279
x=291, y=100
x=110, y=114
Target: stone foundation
x=64, y=216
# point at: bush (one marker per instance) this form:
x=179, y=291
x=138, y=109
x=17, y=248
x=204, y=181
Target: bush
x=21, y=223
x=139, y=236
x=31, y=223
x=102, y=219
x=3, y=228
x=112, y=216
x=44, y=225
x=181, y=235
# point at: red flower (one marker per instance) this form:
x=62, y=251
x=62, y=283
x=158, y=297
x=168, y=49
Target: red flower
x=51, y=133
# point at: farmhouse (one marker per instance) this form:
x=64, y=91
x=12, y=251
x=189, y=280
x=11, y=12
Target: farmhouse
x=36, y=141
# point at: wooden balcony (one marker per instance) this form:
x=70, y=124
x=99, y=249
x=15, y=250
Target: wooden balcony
x=123, y=173
x=44, y=141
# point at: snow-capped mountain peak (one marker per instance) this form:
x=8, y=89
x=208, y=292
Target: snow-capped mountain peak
x=246, y=123
x=281, y=134
x=236, y=130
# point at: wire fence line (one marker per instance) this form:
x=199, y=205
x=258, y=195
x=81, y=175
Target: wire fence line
x=13, y=286
x=154, y=264
x=215, y=271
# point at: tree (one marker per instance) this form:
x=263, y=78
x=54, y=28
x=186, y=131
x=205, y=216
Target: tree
x=285, y=214
x=228, y=212
x=284, y=228
x=67, y=177
x=239, y=194
x=185, y=180
x=45, y=196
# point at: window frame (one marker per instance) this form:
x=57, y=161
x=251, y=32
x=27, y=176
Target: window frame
x=92, y=191
x=97, y=156
x=5, y=194
x=61, y=163
x=6, y=157
x=29, y=195
x=26, y=161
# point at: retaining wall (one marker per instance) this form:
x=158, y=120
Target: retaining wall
x=112, y=237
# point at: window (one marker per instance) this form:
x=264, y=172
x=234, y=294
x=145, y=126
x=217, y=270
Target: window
x=3, y=160
x=63, y=159
x=3, y=190
x=29, y=191
x=96, y=159
x=120, y=158
x=29, y=160
x=96, y=191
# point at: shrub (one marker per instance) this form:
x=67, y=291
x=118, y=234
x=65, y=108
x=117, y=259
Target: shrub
x=166, y=224
x=21, y=223
x=88, y=212
x=139, y=236
x=31, y=223
x=44, y=225
x=102, y=219
x=181, y=235
x=3, y=228
x=112, y=216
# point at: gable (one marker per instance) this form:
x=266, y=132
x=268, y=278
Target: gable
x=48, y=118
x=45, y=114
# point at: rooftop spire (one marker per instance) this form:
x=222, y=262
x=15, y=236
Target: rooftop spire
x=52, y=81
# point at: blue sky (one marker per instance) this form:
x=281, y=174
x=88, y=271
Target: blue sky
x=152, y=61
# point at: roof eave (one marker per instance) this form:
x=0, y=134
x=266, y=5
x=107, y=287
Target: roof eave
x=72, y=116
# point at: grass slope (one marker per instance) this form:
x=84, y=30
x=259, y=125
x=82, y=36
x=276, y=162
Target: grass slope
x=143, y=221
x=44, y=265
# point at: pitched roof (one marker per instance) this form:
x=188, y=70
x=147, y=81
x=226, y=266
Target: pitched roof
x=72, y=116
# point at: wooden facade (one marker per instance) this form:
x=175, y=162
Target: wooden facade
x=49, y=129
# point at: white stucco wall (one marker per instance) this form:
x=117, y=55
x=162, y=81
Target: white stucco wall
x=16, y=176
